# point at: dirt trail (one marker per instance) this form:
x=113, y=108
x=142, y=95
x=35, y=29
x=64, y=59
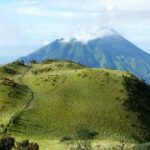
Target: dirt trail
x=25, y=105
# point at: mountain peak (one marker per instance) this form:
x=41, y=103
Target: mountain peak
x=103, y=48
x=85, y=36
x=105, y=31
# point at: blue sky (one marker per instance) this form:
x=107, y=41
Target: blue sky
x=26, y=25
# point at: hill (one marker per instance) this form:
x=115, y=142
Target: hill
x=110, y=50
x=53, y=98
x=13, y=94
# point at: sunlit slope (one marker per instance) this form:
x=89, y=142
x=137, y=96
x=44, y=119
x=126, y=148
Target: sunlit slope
x=13, y=94
x=67, y=95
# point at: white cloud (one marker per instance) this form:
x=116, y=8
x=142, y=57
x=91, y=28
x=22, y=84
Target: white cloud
x=84, y=35
x=110, y=7
x=35, y=11
x=25, y=2
x=35, y=22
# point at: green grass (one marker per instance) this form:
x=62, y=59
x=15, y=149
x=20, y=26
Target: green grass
x=13, y=95
x=54, y=144
x=66, y=95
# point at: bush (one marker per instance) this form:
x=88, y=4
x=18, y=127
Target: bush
x=19, y=62
x=33, y=62
x=67, y=141
x=26, y=145
x=9, y=70
x=145, y=146
x=7, y=143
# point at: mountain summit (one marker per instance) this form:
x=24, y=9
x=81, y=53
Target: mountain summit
x=85, y=36
x=104, y=49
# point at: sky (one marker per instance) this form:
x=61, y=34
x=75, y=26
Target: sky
x=26, y=25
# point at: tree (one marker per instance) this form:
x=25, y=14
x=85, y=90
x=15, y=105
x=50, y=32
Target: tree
x=123, y=141
x=84, y=137
x=68, y=141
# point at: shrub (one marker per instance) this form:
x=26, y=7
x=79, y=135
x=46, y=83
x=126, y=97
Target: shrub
x=67, y=141
x=26, y=145
x=7, y=143
x=33, y=62
x=145, y=146
x=9, y=82
x=19, y=62
x=2, y=127
x=9, y=70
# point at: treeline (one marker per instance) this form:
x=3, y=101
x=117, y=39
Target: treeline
x=46, y=61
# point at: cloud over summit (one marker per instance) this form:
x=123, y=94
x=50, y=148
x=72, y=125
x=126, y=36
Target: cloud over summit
x=32, y=22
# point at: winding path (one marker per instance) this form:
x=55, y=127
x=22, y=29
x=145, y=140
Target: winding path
x=25, y=106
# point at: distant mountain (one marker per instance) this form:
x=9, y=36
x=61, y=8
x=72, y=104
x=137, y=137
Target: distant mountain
x=109, y=50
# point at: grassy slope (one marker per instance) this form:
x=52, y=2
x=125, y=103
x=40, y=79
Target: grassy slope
x=13, y=95
x=66, y=97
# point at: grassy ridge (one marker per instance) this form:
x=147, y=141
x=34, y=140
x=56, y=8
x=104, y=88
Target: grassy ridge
x=66, y=95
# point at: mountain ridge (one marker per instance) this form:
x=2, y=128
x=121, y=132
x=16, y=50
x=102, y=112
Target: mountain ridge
x=109, y=51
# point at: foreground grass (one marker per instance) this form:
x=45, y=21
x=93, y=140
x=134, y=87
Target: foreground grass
x=54, y=144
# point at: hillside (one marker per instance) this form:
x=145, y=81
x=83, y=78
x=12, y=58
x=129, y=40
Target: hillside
x=107, y=51
x=13, y=94
x=49, y=100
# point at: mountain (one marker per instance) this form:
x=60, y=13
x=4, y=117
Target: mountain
x=110, y=50
x=52, y=99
